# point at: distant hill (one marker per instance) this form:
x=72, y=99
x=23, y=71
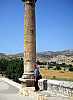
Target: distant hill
x=20, y=54
x=44, y=54
x=51, y=53
x=2, y=54
x=65, y=56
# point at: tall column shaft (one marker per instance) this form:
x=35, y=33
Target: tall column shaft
x=29, y=36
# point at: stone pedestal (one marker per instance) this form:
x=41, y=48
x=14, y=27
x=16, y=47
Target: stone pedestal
x=27, y=82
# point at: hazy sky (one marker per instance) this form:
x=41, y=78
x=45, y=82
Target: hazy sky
x=54, y=25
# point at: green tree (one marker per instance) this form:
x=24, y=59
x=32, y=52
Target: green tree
x=14, y=69
x=3, y=65
x=70, y=68
x=58, y=67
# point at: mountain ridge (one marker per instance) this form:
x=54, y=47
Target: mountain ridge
x=46, y=53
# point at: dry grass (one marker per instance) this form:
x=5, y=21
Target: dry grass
x=56, y=74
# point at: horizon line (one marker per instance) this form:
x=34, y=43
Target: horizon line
x=36, y=51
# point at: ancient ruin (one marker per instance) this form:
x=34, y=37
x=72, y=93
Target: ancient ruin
x=29, y=40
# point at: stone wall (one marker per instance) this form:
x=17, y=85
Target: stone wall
x=55, y=87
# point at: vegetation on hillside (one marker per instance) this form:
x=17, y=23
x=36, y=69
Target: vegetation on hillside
x=12, y=69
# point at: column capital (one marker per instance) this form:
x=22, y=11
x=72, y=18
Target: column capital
x=29, y=1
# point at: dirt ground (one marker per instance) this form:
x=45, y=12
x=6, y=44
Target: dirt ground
x=54, y=74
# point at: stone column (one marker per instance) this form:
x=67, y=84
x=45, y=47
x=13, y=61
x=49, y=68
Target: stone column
x=29, y=38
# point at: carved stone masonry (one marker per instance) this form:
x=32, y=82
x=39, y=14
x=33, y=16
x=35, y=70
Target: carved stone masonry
x=29, y=38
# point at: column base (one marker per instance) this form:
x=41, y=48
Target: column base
x=27, y=75
x=27, y=80
x=26, y=83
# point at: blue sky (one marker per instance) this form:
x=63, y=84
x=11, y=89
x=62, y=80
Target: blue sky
x=54, y=25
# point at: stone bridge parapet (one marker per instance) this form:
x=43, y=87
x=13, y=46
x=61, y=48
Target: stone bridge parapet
x=55, y=87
